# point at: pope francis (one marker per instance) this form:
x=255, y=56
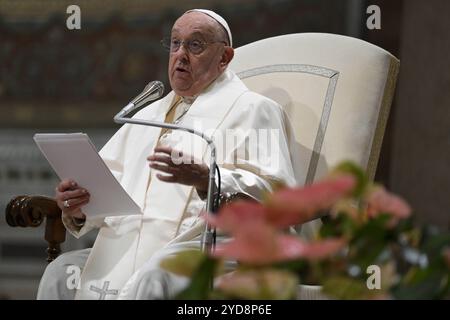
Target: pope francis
x=124, y=261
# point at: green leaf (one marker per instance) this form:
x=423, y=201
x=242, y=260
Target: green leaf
x=422, y=284
x=369, y=242
x=434, y=244
x=183, y=263
x=260, y=284
x=341, y=225
x=291, y=265
x=348, y=289
x=351, y=168
x=201, y=282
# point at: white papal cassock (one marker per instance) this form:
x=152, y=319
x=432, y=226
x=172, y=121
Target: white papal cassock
x=257, y=157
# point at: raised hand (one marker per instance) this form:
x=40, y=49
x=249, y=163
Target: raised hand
x=179, y=168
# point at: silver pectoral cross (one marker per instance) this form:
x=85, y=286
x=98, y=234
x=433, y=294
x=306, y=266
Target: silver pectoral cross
x=103, y=291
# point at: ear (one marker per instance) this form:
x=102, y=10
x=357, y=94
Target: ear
x=226, y=58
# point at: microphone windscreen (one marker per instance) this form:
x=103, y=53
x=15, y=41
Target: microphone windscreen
x=152, y=91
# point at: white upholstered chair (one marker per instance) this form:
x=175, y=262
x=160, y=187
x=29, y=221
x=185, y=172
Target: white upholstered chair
x=337, y=92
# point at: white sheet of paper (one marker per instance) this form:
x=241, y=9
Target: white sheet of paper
x=72, y=155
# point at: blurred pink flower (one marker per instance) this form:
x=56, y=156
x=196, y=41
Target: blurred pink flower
x=349, y=207
x=261, y=244
x=294, y=206
x=316, y=250
x=284, y=208
x=381, y=201
x=255, y=244
x=254, y=226
x=238, y=215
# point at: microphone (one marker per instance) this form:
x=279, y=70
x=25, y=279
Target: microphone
x=152, y=91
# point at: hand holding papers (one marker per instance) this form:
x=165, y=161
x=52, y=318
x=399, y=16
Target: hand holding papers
x=74, y=156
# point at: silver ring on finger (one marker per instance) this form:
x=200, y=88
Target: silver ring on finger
x=66, y=204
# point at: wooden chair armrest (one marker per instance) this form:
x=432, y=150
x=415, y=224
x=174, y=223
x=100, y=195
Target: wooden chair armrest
x=30, y=211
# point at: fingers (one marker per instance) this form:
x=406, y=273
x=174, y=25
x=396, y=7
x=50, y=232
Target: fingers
x=161, y=158
x=178, y=168
x=73, y=194
x=168, y=150
x=66, y=184
x=164, y=168
x=166, y=178
x=70, y=197
x=69, y=188
x=176, y=156
x=72, y=203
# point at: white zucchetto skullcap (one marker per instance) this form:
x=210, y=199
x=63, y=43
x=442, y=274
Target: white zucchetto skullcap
x=219, y=19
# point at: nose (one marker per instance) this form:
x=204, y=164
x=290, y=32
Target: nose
x=181, y=54
x=183, y=47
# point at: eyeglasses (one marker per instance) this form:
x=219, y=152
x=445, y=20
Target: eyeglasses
x=193, y=46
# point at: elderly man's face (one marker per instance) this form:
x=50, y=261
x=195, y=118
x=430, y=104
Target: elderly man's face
x=191, y=73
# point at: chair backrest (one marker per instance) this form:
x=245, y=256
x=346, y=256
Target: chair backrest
x=336, y=90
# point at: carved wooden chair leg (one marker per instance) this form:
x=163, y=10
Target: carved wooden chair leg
x=30, y=211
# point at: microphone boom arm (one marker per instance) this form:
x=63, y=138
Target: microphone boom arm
x=207, y=242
